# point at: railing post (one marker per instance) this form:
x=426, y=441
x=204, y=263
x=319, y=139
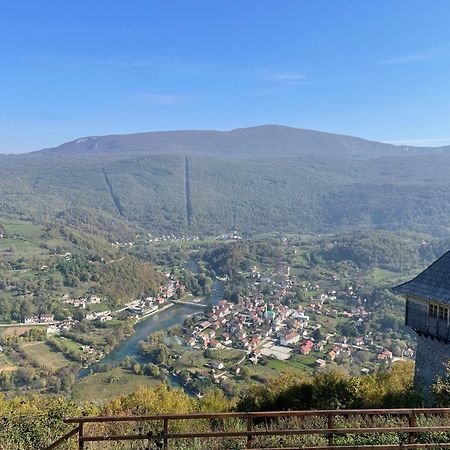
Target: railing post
x=412, y=423
x=330, y=427
x=80, y=436
x=249, y=429
x=165, y=432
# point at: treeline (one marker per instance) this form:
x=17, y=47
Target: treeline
x=394, y=252
x=35, y=421
x=334, y=389
x=122, y=278
x=230, y=259
x=199, y=285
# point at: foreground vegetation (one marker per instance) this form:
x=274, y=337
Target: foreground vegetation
x=35, y=421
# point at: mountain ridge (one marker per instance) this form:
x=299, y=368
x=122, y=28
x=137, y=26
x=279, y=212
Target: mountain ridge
x=254, y=179
x=179, y=141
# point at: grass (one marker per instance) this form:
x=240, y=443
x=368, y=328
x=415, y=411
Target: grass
x=75, y=346
x=267, y=372
x=40, y=354
x=23, y=229
x=227, y=354
x=191, y=360
x=96, y=336
x=300, y=259
x=101, y=387
x=382, y=274
x=10, y=247
x=99, y=307
x=294, y=364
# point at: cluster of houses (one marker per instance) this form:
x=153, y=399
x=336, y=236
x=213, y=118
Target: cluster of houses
x=39, y=319
x=144, y=306
x=101, y=316
x=248, y=324
x=81, y=302
x=267, y=325
x=233, y=235
x=134, y=308
x=155, y=239
x=148, y=304
x=64, y=325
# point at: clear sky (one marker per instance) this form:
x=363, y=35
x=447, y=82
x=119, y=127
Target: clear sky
x=379, y=69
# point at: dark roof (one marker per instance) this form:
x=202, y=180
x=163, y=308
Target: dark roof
x=432, y=284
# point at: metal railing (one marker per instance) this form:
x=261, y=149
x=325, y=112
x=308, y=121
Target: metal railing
x=330, y=428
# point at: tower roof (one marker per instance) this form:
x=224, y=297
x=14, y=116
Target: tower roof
x=433, y=283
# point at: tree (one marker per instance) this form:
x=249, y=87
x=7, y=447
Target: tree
x=331, y=390
x=161, y=354
x=317, y=335
x=152, y=370
x=441, y=389
x=137, y=368
x=78, y=315
x=234, y=297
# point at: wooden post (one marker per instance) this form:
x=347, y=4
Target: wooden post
x=249, y=428
x=80, y=436
x=330, y=427
x=165, y=432
x=412, y=423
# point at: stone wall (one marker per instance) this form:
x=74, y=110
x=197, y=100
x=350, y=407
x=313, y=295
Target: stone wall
x=431, y=357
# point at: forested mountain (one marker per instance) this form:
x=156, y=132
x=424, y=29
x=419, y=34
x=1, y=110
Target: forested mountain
x=253, y=179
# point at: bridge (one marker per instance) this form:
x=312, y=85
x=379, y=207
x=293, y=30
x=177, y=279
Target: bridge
x=357, y=429
x=190, y=304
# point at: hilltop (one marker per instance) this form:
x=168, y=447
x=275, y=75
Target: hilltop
x=253, y=179
x=260, y=141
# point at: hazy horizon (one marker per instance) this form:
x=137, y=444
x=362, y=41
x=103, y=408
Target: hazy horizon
x=438, y=142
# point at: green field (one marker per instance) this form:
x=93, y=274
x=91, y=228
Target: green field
x=300, y=259
x=16, y=330
x=41, y=355
x=100, y=387
x=17, y=247
x=294, y=364
x=227, y=354
x=71, y=345
x=24, y=229
x=22, y=239
x=382, y=274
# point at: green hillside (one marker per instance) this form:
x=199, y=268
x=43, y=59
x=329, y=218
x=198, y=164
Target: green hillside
x=256, y=179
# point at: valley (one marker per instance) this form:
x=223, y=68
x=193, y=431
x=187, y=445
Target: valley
x=275, y=304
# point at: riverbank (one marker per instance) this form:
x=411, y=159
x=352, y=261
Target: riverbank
x=161, y=319
x=156, y=311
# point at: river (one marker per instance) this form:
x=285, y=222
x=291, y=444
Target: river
x=174, y=315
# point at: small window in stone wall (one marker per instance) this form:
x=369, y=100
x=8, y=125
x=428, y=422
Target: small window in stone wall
x=433, y=310
x=443, y=313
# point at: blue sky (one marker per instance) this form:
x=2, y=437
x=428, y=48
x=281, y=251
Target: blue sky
x=379, y=69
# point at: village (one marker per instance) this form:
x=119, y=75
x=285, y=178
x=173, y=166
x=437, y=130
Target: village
x=282, y=323
x=92, y=309
x=271, y=323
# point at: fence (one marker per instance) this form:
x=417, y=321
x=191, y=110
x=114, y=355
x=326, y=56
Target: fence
x=320, y=430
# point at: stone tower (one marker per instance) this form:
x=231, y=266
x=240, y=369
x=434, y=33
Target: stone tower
x=427, y=313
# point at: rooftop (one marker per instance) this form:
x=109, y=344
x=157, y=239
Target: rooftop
x=432, y=284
